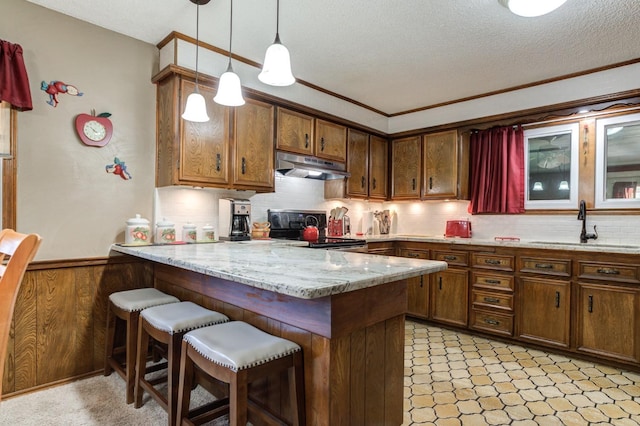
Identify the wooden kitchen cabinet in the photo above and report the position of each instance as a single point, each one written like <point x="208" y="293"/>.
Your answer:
<point x="544" y="310"/>
<point x="330" y="141"/>
<point x="417" y="287"/>
<point x="405" y="168"/>
<point x="378" y="168"/>
<point x="358" y="164"/>
<point x="294" y="132"/>
<point x="440" y="162"/>
<point x="253" y="146"/>
<point x="384" y="248"/>
<point x="450" y="297"/>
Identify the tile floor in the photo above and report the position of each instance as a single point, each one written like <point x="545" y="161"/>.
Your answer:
<point x="452" y="378"/>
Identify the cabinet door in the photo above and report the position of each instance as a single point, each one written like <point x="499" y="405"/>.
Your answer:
<point x="204" y="147"/>
<point x="450" y="297"/>
<point x="418" y="296"/>
<point x="607" y="321"/>
<point x="330" y="141"/>
<point x="378" y="168"/>
<point x="295" y="132"/>
<point x="357" y="163"/>
<point x="543" y="311"/>
<point x="405" y="168"/>
<point x="253" y="164"/>
<point x="440" y="159"/>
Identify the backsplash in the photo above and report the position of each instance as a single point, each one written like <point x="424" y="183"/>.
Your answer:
<point x="200" y="206"/>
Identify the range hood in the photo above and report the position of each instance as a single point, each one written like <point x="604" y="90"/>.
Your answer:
<point x="304" y="166"/>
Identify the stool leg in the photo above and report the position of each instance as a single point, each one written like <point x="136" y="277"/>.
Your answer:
<point x="109" y="340"/>
<point x="185" y="385"/>
<point x="238" y="399"/>
<point x="132" y="334"/>
<point x="296" y="385"/>
<point x="141" y="363"/>
<point x="173" y="375"/>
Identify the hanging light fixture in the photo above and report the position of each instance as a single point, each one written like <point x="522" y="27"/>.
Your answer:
<point x="196" y="108"/>
<point x="276" y="70"/>
<point x="537" y="186"/>
<point x="229" y="88"/>
<point x="532" y="8"/>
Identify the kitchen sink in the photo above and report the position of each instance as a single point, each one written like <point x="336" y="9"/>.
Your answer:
<point x="596" y="245"/>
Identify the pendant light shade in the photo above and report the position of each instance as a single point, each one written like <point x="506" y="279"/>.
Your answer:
<point x="229" y="88"/>
<point x="564" y="186"/>
<point x="532" y="8"/>
<point x="276" y="70"/>
<point x="537" y="186"/>
<point x="196" y="107"/>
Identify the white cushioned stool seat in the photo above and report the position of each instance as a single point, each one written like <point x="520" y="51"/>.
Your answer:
<point x="179" y="317"/>
<point x="139" y="299"/>
<point x="237" y="345"/>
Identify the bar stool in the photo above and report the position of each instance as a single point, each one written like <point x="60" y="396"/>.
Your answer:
<point x="125" y="306"/>
<point x="168" y="324"/>
<point x="237" y="353"/>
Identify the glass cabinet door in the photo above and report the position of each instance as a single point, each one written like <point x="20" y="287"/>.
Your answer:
<point x="618" y="162"/>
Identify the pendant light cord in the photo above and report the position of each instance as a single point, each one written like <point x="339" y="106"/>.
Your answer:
<point x="197" y="39"/>
<point x="230" y="31"/>
<point x="277" y="17"/>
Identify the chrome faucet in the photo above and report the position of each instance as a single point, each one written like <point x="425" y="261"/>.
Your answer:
<point x="582" y="215"/>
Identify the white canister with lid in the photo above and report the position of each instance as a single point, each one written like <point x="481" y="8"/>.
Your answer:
<point x="189" y="233"/>
<point x="208" y="233"/>
<point x="138" y="231"/>
<point x="165" y="232"/>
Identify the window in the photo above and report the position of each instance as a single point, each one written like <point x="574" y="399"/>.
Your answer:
<point x="551" y="167"/>
<point x="618" y="162"/>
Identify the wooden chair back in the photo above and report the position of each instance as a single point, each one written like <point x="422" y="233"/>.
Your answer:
<point x="20" y="250"/>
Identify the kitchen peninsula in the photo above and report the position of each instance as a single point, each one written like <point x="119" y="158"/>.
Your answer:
<point x="345" y="309"/>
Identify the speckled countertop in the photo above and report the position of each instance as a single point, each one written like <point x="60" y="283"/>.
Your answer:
<point x="591" y="246"/>
<point x="284" y="268"/>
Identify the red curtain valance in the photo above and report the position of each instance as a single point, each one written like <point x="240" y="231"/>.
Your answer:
<point x="497" y="171"/>
<point x="14" y="82"/>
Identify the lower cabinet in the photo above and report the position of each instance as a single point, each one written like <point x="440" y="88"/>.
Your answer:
<point x="450" y="297"/>
<point x="417" y="287"/>
<point x="607" y="321"/>
<point x="544" y="311"/>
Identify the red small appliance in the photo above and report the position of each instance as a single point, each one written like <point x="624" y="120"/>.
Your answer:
<point x="458" y="228"/>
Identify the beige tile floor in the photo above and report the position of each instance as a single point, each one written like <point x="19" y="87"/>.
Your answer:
<point x="452" y="378"/>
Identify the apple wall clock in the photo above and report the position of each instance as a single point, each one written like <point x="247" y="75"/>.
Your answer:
<point x="94" y="130"/>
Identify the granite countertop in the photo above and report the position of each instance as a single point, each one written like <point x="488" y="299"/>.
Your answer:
<point x="285" y="267"/>
<point x="591" y="246"/>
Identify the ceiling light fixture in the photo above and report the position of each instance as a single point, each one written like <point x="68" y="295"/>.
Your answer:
<point x="564" y="186"/>
<point x="537" y="186"/>
<point x="196" y="107"/>
<point x="276" y="70"/>
<point x="229" y="88"/>
<point x="532" y="8"/>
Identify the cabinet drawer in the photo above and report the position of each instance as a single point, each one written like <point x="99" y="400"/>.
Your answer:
<point x="545" y="266"/>
<point x="497" y="262"/>
<point x="492" y="322"/>
<point x="415" y="254"/>
<point x="492" y="300"/>
<point x="609" y="272"/>
<point x="492" y="281"/>
<point x="458" y="258"/>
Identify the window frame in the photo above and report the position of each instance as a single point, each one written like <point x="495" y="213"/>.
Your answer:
<point x="9" y="128"/>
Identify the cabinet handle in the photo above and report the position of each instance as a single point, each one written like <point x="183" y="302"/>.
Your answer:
<point x="449" y="257"/>
<point x="413" y="255"/>
<point x="491" y="321"/>
<point x="590" y="304"/>
<point x="430" y="182"/>
<point x="492" y="261"/>
<point x="374" y="183"/>
<point x="492" y="281"/>
<point x="306" y="140"/>
<point x="440" y="283"/>
<point x="608" y="271"/>
<point x="413" y="184"/>
<point x="492" y="299"/>
<point x="362" y="182"/>
<point x="322" y="144"/>
<point x="421" y="281"/>
<point x="557" y="299"/>
<point x="244" y="165"/>
<point x="544" y="266"/>
<point x="218" y="162"/>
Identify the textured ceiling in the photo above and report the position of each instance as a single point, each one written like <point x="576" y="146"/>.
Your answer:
<point x="394" y="56"/>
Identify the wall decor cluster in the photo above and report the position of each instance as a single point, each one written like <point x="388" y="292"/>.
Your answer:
<point x="56" y="87"/>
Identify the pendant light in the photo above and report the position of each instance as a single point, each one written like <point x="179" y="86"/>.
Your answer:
<point x="532" y="8"/>
<point x="229" y="88"/>
<point x="196" y="108"/>
<point x="276" y="70"/>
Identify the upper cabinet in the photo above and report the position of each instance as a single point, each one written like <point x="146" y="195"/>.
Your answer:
<point x="440" y="160"/>
<point x="295" y="132"/>
<point x="368" y="163"/>
<point x="378" y="168"/>
<point x="330" y="141"/>
<point x="208" y="154"/>
<point x="406" y="155"/>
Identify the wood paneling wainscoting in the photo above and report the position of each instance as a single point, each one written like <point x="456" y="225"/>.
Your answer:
<point x="59" y="320"/>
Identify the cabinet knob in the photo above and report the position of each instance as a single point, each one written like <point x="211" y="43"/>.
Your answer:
<point x="374" y="183"/>
<point x="440" y="283"/>
<point x="430" y="182"/>
<point x="557" y="299"/>
<point x="488" y="281"/>
<point x="413" y="184"/>
<point x="544" y="266"/>
<point x="608" y="271"/>
<point x="322" y="144"/>
<point x="244" y="165"/>
<point x="306" y="140"/>
<point x="218" y="162"/>
<point x="450" y="258"/>
<point x="492" y="261"/>
<point x="590" y="303"/>
<point x="362" y="182"/>
<point x="491" y="321"/>
<point x="492" y="300"/>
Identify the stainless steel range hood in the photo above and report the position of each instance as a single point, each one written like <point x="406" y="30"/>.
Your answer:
<point x="309" y="167"/>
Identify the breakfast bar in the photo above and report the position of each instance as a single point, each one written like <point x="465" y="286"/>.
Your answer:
<point x="346" y="310"/>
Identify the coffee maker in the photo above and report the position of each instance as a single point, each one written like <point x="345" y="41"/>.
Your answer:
<point x="233" y="219"/>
